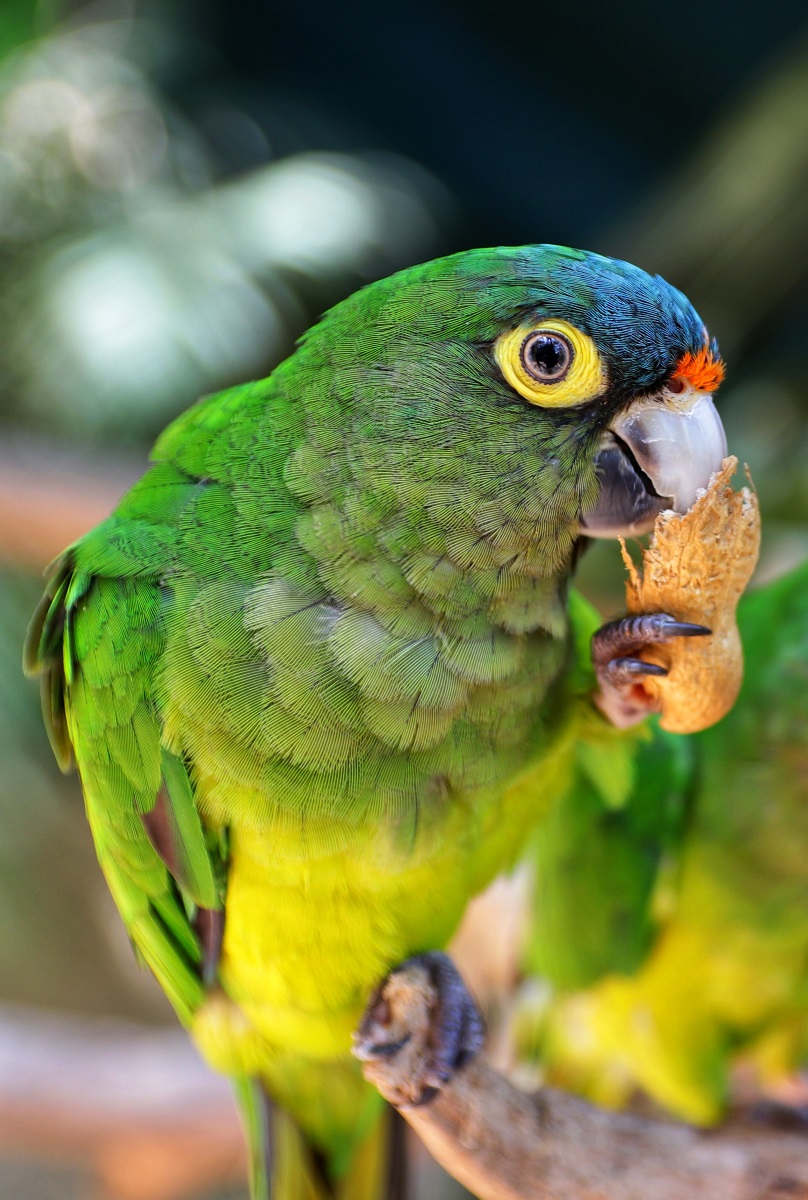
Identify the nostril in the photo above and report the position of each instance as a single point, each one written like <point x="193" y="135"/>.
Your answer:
<point x="676" y="385"/>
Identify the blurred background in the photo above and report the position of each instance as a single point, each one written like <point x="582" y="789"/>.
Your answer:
<point x="184" y="186"/>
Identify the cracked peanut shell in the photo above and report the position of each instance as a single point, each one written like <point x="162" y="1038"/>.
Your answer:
<point x="696" y="567"/>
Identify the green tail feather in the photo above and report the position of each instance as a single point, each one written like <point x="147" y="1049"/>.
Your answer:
<point x="256" y="1117"/>
<point x="283" y="1165"/>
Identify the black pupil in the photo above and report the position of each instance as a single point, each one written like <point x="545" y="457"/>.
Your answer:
<point x="547" y="356"/>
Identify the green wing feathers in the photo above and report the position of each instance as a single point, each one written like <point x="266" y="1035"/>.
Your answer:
<point x="96" y="642"/>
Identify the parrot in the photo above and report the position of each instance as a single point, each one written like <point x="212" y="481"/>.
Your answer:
<point x="671" y="908"/>
<point x="311" y="669"/>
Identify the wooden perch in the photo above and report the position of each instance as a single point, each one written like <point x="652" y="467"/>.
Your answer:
<point x="504" y="1144"/>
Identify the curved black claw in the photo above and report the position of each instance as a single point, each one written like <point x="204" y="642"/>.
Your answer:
<point x="621" y="697"/>
<point x="456" y="1031"/>
<point x="626" y="670"/>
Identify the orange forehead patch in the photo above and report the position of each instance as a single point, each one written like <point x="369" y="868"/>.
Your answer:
<point x="703" y="370"/>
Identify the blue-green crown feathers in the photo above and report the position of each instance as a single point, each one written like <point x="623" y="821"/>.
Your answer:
<point x="642" y="325"/>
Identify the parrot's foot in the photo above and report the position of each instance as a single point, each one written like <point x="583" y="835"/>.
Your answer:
<point x="622" y="697"/>
<point x="437" y="1038"/>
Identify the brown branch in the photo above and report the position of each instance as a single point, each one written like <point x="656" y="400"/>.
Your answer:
<point x="504" y="1144"/>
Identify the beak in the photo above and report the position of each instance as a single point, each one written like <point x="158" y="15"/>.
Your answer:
<point x="655" y="455"/>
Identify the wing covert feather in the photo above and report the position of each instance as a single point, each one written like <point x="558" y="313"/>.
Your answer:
<point x="96" y="642"/>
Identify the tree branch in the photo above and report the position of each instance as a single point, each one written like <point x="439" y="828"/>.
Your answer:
<point x="504" y="1144"/>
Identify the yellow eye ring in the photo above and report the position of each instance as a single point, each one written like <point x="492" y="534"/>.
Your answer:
<point x="553" y="365"/>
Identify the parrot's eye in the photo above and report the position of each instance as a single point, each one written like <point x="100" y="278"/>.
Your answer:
<point x="546" y="356"/>
<point x="553" y="365"/>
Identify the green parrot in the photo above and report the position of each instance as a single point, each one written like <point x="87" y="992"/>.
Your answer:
<point x="671" y="909"/>
<point x="311" y="670"/>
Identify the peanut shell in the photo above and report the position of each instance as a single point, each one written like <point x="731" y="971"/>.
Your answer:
<point x="696" y="567"/>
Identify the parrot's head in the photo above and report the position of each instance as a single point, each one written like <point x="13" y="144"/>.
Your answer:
<point x="535" y="393"/>
<point x="630" y="354"/>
